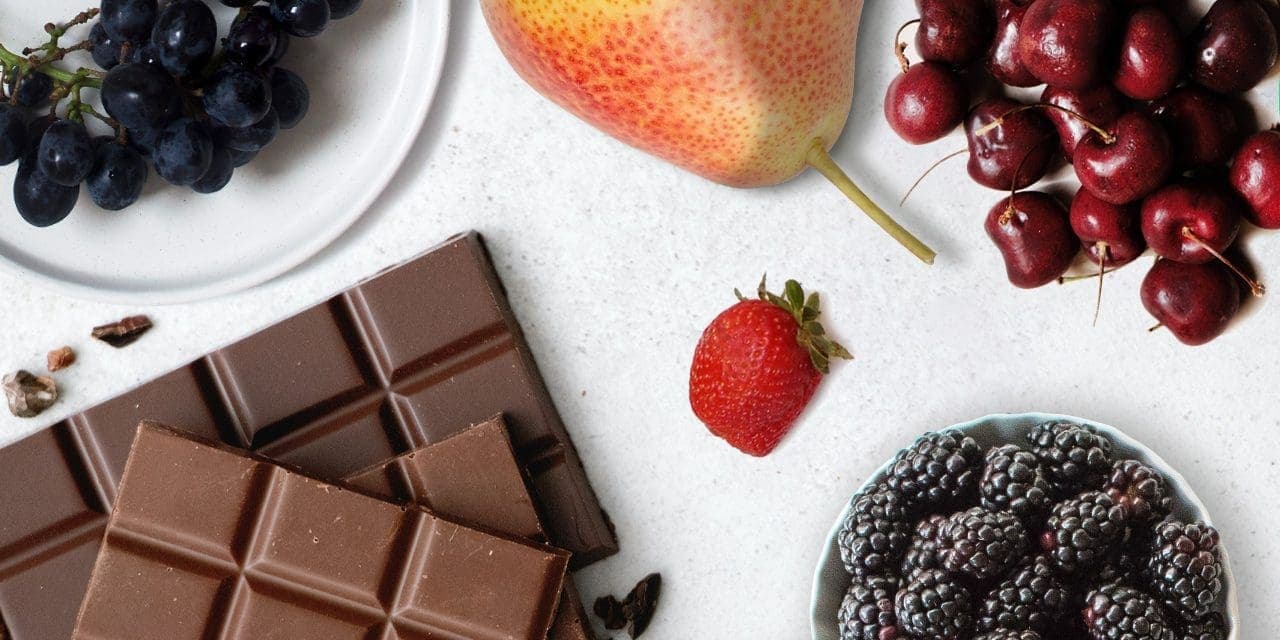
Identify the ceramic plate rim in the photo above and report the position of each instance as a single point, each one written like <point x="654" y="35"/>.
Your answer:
<point x="431" y="60"/>
<point x="822" y="616"/>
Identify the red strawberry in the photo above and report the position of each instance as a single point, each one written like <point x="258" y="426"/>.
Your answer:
<point x="757" y="365"/>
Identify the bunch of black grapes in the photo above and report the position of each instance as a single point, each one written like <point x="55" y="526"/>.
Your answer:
<point x="195" y="110"/>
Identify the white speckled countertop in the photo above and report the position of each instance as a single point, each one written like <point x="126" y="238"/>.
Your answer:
<point x="615" y="262"/>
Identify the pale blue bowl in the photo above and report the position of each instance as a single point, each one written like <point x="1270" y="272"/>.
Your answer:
<point x="830" y="580"/>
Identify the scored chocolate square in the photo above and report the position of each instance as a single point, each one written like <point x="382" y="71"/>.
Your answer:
<point x="474" y="477"/>
<point x="407" y="358"/>
<point x="207" y="542"/>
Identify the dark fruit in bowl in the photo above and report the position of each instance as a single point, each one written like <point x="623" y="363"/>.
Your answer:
<point x="1069" y="43"/>
<point x="1010" y="146"/>
<point x="1111" y="233"/>
<point x="1132" y="164"/>
<point x="1234" y="46"/>
<point x="1033" y="234"/>
<point x="1195" y="302"/>
<point x="1151" y="55"/>
<point x="1255" y="175"/>
<point x="1100" y="105"/>
<point x="953" y="31"/>
<point x="1202" y="126"/>
<point x="926" y="102"/>
<point x="1190" y="221"/>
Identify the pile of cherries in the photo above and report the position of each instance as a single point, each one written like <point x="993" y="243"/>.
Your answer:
<point x="1148" y="112"/>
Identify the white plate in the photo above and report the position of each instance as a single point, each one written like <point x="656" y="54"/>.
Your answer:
<point x="372" y="77"/>
<point x="830" y="580"/>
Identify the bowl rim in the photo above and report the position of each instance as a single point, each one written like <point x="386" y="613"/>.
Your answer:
<point x="820" y="616"/>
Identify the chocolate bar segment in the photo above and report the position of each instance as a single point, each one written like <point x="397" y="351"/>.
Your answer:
<point x="474" y="477"/>
<point x="206" y="542"/>
<point x="407" y="358"/>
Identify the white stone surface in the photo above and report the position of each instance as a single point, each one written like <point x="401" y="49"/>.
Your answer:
<point x="615" y="262"/>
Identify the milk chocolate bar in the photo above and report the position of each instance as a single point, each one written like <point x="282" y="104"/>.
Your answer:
<point x="407" y="358"/>
<point x="474" y="477"/>
<point x="207" y="542"/>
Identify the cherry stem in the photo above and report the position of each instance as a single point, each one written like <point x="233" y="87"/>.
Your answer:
<point x="1156" y="328"/>
<point x="820" y="159"/>
<point x="1013" y="183"/>
<point x="900" y="47"/>
<point x="1106" y="136"/>
<point x="1085" y="276"/>
<point x="1103" y="250"/>
<point x="927" y="172"/>
<point x="1256" y="288"/>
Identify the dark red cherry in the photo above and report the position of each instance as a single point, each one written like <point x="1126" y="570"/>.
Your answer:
<point x="1255" y="175"/>
<point x="1003" y="62"/>
<point x="1134" y="163"/>
<point x="1195" y="302"/>
<point x="1234" y="46"/>
<point x="1100" y="105"/>
<point x="1191" y="222"/>
<point x="1111" y="233"/>
<point x="1013" y="154"/>
<point x="926" y="102"/>
<point x="1151" y="55"/>
<point x="1031" y="231"/>
<point x="1202" y="126"/>
<point x="1069" y="43"/>
<point x="953" y="31"/>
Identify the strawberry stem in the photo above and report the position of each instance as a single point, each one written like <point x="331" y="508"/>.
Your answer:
<point x="809" y="333"/>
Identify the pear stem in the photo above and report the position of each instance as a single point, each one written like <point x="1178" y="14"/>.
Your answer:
<point x="819" y="159"/>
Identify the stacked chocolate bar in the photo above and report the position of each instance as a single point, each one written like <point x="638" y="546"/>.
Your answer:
<point x="416" y="390"/>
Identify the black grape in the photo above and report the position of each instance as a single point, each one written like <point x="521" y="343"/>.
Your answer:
<point x="105" y="50"/>
<point x="339" y="9"/>
<point x="253" y="137"/>
<point x="183" y="152"/>
<point x="185" y="35"/>
<point x="143" y="140"/>
<point x="302" y="18"/>
<point x="252" y="39"/>
<point x="66" y="155"/>
<point x="13" y="134"/>
<point x="218" y="175"/>
<point x="282" y="47"/>
<point x="118" y="177"/>
<point x="239" y="3"/>
<point x="35" y="131"/>
<point x="34" y="89"/>
<point x="241" y="158"/>
<point x="148" y="53"/>
<point x="289" y="96"/>
<point x="41" y="201"/>
<point x="129" y="20"/>
<point x="141" y="96"/>
<point x="237" y="97"/>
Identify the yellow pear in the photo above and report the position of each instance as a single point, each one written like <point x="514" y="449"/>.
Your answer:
<point x="748" y="93"/>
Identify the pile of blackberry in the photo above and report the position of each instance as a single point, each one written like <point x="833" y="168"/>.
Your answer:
<point x="1053" y="540"/>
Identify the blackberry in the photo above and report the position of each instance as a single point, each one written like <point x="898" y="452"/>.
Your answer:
<point x="1117" y="612"/>
<point x="934" y="606"/>
<point x="867" y="612"/>
<point x="1031" y="597"/>
<point x="923" y="551"/>
<point x="1211" y="628"/>
<point x="875" y="534"/>
<point x="937" y="470"/>
<point x="1005" y="634"/>
<point x="1075" y="457"/>
<point x="1183" y="569"/>
<point x="1140" y="489"/>
<point x="1014" y="481"/>
<point x="1083" y="531"/>
<point x="980" y="543"/>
